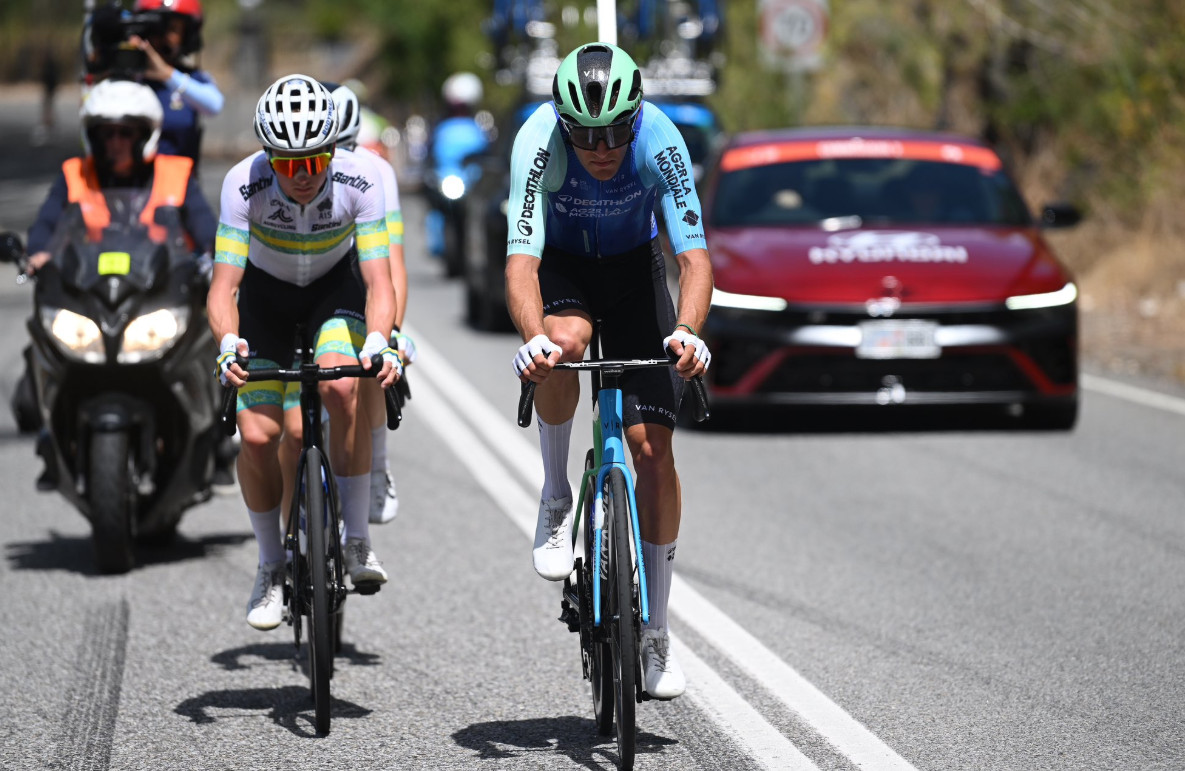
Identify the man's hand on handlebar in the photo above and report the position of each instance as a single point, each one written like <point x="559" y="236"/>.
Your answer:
<point x="376" y="345"/>
<point x="536" y="358"/>
<point x="228" y="371"/>
<point x="693" y="353"/>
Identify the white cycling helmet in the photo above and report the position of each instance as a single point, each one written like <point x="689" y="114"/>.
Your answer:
<point x="462" y="88"/>
<point x="349" y="116"/>
<point x="296" y="113"/>
<point x="122" y="101"/>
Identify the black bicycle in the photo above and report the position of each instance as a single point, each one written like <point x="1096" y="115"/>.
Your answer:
<point x="607" y="605"/>
<point x="315" y="584"/>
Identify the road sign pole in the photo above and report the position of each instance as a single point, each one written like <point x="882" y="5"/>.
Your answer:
<point x="607" y="21"/>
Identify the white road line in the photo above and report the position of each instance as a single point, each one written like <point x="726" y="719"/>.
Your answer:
<point x="1132" y="393"/>
<point x="755" y="735"/>
<point x="847" y="735"/>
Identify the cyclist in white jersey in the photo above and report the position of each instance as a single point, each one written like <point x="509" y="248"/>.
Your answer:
<point x="292" y="219"/>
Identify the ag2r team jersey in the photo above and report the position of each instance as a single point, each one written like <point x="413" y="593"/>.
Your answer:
<point x="300" y="243"/>
<point x="555" y="202"/>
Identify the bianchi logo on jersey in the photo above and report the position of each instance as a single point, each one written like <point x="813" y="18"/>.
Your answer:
<point x="691" y="218"/>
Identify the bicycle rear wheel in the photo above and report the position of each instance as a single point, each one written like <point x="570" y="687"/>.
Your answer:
<point x="620" y="616"/>
<point x="598" y="652"/>
<point x="320" y="620"/>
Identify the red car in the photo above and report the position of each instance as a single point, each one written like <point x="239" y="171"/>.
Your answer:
<point x="866" y="266"/>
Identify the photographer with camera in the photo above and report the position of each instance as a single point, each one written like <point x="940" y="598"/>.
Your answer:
<point x="155" y="44"/>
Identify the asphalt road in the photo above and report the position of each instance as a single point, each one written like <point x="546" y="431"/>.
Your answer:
<point x="953" y="598"/>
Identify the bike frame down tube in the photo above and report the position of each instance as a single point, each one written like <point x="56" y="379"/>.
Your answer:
<point x="612" y="451"/>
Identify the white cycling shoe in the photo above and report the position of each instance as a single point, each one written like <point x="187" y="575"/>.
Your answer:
<point x="362" y="564"/>
<point x="384" y="500"/>
<point x="265" y="609"/>
<point x="552" y="554"/>
<point x="664" y="676"/>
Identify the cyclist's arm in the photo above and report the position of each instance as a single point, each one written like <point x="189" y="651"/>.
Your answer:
<point x="695" y="288"/>
<point x="394" y="220"/>
<point x="523" y="299"/>
<point x="231" y="245"/>
<point x="538" y="164"/>
<point x="221" y="305"/>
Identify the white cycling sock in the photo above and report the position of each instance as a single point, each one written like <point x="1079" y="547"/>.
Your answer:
<point x="266" y="525"/>
<point x="553" y="444"/>
<point x="355" y="497"/>
<point x="378" y="448"/>
<point x="660" y="561"/>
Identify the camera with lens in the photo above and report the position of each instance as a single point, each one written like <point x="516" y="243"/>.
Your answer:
<point x="109" y="52"/>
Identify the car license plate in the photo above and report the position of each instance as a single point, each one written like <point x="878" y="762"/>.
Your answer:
<point x="892" y="339"/>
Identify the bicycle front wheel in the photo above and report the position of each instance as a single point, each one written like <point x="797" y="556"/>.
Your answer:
<point x="320" y="620"/>
<point x="598" y="653"/>
<point x="620" y="616"/>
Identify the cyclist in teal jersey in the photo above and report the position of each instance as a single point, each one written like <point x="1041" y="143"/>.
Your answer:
<point x="587" y="171"/>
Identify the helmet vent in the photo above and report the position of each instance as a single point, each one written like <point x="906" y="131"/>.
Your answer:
<point x="613" y="95"/>
<point x="596" y="98"/>
<point x="635" y="87"/>
<point x="575" y="97"/>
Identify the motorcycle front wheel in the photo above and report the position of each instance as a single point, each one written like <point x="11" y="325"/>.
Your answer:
<point x="109" y="489"/>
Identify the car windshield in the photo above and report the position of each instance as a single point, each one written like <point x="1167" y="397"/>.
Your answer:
<point x="877" y="191"/>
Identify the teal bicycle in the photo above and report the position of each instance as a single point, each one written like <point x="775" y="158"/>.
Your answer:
<point x="607" y="605"/>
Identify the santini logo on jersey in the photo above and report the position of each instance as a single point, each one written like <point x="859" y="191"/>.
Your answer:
<point x="252" y="188"/>
<point x="359" y="182"/>
<point x="531" y="191"/>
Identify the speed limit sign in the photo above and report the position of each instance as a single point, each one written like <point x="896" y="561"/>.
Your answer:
<point x="792" y="31"/>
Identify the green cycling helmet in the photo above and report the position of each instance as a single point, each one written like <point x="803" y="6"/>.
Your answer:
<point x="597" y="85"/>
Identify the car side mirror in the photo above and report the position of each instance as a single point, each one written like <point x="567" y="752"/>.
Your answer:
<point x="1060" y="215"/>
<point x="11" y="247"/>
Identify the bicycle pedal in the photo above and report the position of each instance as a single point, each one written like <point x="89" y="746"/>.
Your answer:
<point x="367" y="587"/>
<point x="569" y="616"/>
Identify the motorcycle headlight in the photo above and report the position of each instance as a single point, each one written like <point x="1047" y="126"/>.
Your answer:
<point x="78" y="336"/>
<point x="148" y="337"/>
<point x="452" y="187"/>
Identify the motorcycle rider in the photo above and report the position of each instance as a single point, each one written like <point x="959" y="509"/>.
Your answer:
<point x="186" y="93"/>
<point x="455" y="138"/>
<point x="121" y="126"/>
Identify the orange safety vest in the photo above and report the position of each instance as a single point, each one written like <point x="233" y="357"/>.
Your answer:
<point x="170" y="179"/>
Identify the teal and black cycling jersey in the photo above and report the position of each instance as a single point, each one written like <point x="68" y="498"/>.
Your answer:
<point x="554" y="202"/>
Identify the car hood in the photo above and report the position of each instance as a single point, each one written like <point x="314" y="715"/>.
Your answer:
<point x="926" y="265"/>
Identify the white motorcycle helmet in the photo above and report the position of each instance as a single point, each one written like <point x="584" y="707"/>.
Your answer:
<point x="122" y="101"/>
<point x="296" y="113"/>
<point x="462" y="88"/>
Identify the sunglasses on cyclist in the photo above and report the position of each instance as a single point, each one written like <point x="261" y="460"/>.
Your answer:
<point x="588" y="137"/>
<point x="289" y="167"/>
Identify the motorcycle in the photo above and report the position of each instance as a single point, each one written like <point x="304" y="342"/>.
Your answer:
<point x="120" y="364"/>
<point x="447" y="183"/>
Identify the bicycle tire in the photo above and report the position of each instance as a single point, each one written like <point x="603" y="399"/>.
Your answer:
<point x="623" y="633"/>
<point x="600" y="656"/>
<point x="320" y="621"/>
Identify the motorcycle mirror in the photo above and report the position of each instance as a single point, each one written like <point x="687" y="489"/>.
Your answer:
<point x="11" y="247"/>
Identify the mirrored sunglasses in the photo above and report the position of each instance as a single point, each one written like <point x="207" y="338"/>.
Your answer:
<point x="289" y="167"/>
<point x="111" y="131"/>
<point x="588" y="137"/>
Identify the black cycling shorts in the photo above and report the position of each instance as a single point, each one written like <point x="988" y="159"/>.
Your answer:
<point x="626" y="295"/>
<point x="331" y="308"/>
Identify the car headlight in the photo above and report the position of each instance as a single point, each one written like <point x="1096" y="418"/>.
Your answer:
<point x="78" y="336"/>
<point x="148" y="337"/>
<point x="452" y="187"/>
<point x="1064" y="296"/>
<point x="747" y="301"/>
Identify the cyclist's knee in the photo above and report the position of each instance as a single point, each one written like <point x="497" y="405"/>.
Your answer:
<point x="651" y="449"/>
<point x="340" y="397"/>
<point x="259" y="436"/>
<point x="572" y="333"/>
